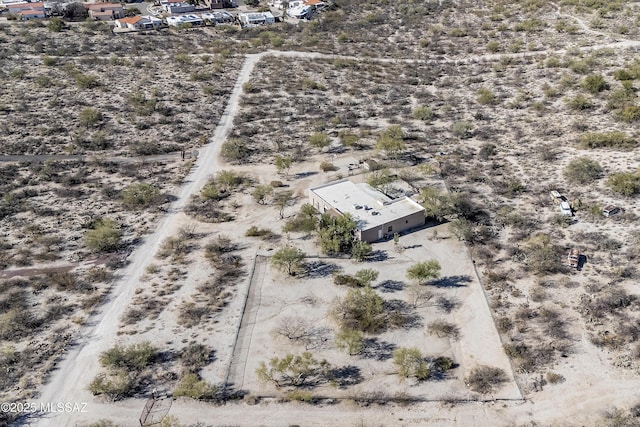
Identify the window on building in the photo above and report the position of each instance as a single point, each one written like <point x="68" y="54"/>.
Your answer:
<point x="390" y="228"/>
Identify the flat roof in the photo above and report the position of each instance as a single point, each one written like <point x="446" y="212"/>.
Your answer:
<point x="368" y="207"/>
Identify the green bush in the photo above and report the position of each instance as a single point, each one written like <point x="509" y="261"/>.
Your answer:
<point x="360" y="250"/>
<point x="234" y="150"/>
<point x="55" y="25"/>
<point x="411" y="363"/>
<point x="48" y="60"/>
<point x="493" y="46"/>
<point x="462" y="129"/>
<point x="595" y="83"/>
<point x="89" y="117"/>
<point x="486" y="97"/>
<point x="423" y="113"/>
<point x="104" y="236"/>
<point x="582" y="170"/>
<point x="630" y="113"/>
<point x="195" y="356"/>
<point x="361" y="309"/>
<point x="300" y="396"/>
<point x="85" y="81"/>
<point x="133" y="358"/>
<point x="614" y="139"/>
<point x="140" y="195"/>
<point x="346" y="280"/>
<point x="192" y="386"/>
<point x="348" y="139"/>
<point x="580" y="103"/>
<point x="115" y="387"/>
<point x="319" y="140"/>
<point x="265" y="233"/>
<point x="627" y="184"/>
<point x="350" y="341"/>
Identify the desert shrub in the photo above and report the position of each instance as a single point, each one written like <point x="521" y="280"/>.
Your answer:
<point x="424" y="271"/>
<point x="235" y="150"/>
<point x="140" y="195"/>
<point x="311" y="84"/>
<point x="630" y="113"/>
<point x="423" y="113"/>
<point x="627" y="184"/>
<point x="319" y="140"/>
<point x="295" y="370"/>
<point x="411" y="363"/>
<point x="493" y="46"/>
<point x="191" y="314"/>
<point x="361" y="309"/>
<point x="486" y="97"/>
<point x="89" y="117"/>
<point x="289" y="259"/>
<point x="195" y="356"/>
<point x="261" y="193"/>
<point x="336" y="234"/>
<point x="582" y="170"/>
<point x="328" y="167"/>
<point x="595" y="83"/>
<point x="191" y="385"/>
<point x="443" y="328"/>
<point x="462" y="129"/>
<point x="173" y="246"/>
<point x="360" y="250"/>
<point x="580" y="103"/>
<point x="132" y="358"/>
<point x="554" y="378"/>
<point x="305" y="221"/>
<point x="485" y="379"/>
<point x="50" y="61"/>
<point x="104" y="236"/>
<point x="366" y="276"/>
<point x="614" y="139"/>
<point x="85" y="81"/>
<point x="113" y="386"/>
<point x="542" y="256"/>
<point x="348" y="139"/>
<point x="300" y="396"/>
<point x="55" y="25"/>
<point x="264" y="233"/>
<point x="346" y="280"/>
<point x="391" y="140"/>
<point x="350" y="341"/>
<point x="250" y="87"/>
<point x="487" y="150"/>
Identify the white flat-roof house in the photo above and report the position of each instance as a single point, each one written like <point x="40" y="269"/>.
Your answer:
<point x="177" y="6"/>
<point x="376" y="215"/>
<point x="256" y="18"/>
<point x="175" y="21"/>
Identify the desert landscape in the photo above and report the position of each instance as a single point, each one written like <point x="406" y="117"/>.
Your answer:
<point x="161" y="262"/>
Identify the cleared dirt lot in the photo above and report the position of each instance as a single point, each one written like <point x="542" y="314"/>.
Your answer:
<point x="311" y="298"/>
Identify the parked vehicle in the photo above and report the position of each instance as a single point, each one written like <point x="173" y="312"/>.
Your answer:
<point x="574" y="258"/>
<point x="565" y="209"/>
<point x="610" y="210"/>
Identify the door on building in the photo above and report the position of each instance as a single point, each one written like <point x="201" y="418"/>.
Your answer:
<point x="380" y="234"/>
